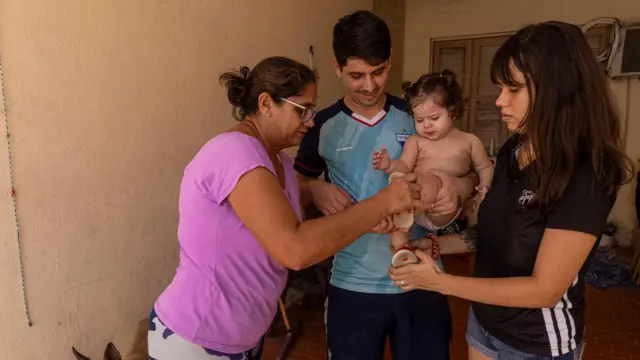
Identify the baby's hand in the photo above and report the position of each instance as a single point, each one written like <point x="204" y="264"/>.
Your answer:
<point x="381" y="160"/>
<point x="482" y="190"/>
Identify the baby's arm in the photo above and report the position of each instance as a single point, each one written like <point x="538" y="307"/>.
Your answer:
<point x="481" y="163"/>
<point x="404" y="164"/>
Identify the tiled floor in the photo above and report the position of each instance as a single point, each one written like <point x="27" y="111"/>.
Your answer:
<point x="613" y="320"/>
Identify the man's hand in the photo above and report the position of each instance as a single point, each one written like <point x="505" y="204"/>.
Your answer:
<point x="453" y="193"/>
<point x="329" y="198"/>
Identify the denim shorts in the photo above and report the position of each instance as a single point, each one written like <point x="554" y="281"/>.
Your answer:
<point x="493" y="348"/>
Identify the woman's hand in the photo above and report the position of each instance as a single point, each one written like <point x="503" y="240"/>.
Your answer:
<point x="424" y="275"/>
<point x="402" y="195"/>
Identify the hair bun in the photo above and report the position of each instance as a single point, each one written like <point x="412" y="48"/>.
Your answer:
<point x="449" y="76"/>
<point x="236" y="82"/>
<point x="406" y="86"/>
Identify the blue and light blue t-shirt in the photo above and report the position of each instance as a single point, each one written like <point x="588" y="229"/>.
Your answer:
<point x="341" y="145"/>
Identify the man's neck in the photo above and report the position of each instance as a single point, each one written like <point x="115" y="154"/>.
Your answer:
<point x="366" y="111"/>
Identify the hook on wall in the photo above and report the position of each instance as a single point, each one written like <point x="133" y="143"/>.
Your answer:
<point x="311" y="56"/>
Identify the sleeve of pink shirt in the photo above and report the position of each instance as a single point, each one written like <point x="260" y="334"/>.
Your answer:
<point x="222" y="162"/>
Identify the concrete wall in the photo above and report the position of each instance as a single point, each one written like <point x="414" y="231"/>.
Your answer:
<point x="107" y="102"/>
<point x="393" y="13"/>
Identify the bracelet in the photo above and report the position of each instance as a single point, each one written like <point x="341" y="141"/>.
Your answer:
<point x="435" y="246"/>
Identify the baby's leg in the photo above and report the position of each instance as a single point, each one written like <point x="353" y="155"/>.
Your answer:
<point x="399" y="239"/>
<point x="403" y="252"/>
<point x="441" y="221"/>
<point x="436" y="222"/>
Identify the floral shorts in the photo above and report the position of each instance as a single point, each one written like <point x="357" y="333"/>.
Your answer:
<point x="164" y="344"/>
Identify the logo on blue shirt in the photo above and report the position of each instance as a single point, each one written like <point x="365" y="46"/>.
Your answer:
<point x="401" y="138"/>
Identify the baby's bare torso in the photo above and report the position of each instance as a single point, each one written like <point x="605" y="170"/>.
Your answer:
<point x="451" y="154"/>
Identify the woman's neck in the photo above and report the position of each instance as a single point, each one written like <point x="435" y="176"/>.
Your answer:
<point x="254" y="129"/>
<point x="526" y="155"/>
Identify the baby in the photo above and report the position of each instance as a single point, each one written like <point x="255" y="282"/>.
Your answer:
<point x="435" y="100"/>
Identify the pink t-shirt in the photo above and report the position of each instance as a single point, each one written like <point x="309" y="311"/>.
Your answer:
<point x="225" y="291"/>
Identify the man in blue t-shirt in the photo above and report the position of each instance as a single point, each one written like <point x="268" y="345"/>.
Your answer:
<point x="364" y="306"/>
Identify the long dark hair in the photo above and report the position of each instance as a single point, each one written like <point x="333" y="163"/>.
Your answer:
<point x="278" y="76"/>
<point x="571" y="113"/>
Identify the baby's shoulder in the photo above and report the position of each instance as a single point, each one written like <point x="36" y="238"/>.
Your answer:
<point x="416" y="139"/>
<point x="468" y="138"/>
<point x="421" y="142"/>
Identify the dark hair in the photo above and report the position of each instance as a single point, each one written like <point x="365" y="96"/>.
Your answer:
<point x="441" y="86"/>
<point x="571" y="113"/>
<point x="277" y="76"/>
<point x="361" y="35"/>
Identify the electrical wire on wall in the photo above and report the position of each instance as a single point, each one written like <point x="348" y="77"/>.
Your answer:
<point x="13" y="196"/>
<point x="610" y="53"/>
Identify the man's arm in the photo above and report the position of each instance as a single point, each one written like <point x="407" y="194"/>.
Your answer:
<point x="304" y="183"/>
<point x="309" y="165"/>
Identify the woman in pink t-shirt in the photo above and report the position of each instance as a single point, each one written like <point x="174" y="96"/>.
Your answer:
<point x="240" y="223"/>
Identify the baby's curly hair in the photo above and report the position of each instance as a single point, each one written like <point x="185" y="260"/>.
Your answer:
<point x="444" y="85"/>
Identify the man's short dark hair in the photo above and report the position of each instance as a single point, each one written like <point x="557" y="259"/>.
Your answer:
<point x="361" y="35"/>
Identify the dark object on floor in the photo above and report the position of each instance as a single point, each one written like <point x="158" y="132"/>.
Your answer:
<point x="635" y="265"/>
<point x="608" y="270"/>
<point x="291" y="333"/>
<point x="110" y="353"/>
<point x="638" y="196"/>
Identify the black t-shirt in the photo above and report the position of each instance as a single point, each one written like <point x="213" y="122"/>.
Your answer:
<point x="509" y="236"/>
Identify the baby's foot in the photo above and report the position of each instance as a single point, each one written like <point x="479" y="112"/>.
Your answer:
<point x="403" y="256"/>
<point x="403" y="220"/>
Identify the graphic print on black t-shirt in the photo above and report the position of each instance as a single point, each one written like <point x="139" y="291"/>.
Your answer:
<point x="510" y="231"/>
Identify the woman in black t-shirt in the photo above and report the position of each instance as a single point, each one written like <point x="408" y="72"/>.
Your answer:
<point x="555" y="182"/>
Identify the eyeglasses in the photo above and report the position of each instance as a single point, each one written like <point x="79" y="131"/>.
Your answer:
<point x="306" y="114"/>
